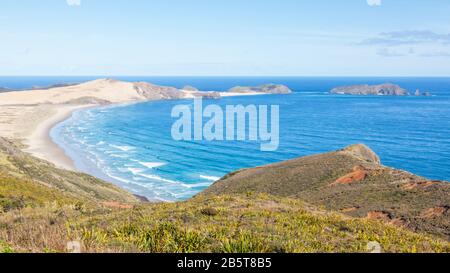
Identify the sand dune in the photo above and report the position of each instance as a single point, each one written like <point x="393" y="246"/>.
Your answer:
<point x="108" y="90"/>
<point x="27" y="116"/>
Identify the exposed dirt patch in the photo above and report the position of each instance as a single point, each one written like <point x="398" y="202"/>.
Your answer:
<point x="116" y="205"/>
<point x="435" y="212"/>
<point x="386" y="217"/>
<point x="398" y="222"/>
<point x="421" y="184"/>
<point x="380" y="188"/>
<point x="379" y="215"/>
<point x="358" y="174"/>
<point x="351" y="209"/>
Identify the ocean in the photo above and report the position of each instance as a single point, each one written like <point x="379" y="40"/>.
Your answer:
<point x="131" y="145"/>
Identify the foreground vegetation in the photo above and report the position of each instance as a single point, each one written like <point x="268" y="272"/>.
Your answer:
<point x="229" y="224"/>
<point x="43" y="208"/>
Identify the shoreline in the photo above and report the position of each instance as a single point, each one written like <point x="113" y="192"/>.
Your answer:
<point x="41" y="144"/>
<point x="29" y="116"/>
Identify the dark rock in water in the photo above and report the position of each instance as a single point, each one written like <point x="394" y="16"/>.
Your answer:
<point x="265" y="88"/>
<point x="418" y="93"/>
<point x="189" y="88"/>
<point x="386" y="89"/>
<point x="142" y="198"/>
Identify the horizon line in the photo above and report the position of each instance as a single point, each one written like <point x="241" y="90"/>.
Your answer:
<point x="242" y="76"/>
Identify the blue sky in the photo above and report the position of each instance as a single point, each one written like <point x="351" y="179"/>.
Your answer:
<point x="232" y="37"/>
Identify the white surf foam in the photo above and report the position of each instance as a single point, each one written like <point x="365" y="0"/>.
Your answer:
<point x="118" y="178"/>
<point x="152" y="165"/>
<point x="158" y="178"/>
<point x="135" y="171"/>
<point x="122" y="148"/>
<point x="211" y="178"/>
<point x="118" y="156"/>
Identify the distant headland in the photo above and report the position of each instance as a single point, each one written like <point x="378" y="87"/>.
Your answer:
<point x="28" y="115"/>
<point x="386" y="89"/>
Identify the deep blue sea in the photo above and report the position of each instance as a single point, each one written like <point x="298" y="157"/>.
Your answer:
<point x="131" y="145"/>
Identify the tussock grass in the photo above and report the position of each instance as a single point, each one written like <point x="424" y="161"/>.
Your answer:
<point x="42" y="208"/>
<point x="257" y="223"/>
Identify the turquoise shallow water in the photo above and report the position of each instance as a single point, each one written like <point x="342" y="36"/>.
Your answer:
<point x="131" y="145"/>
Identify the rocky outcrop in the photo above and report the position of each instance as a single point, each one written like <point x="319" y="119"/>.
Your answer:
<point x="265" y="88"/>
<point x="362" y="152"/>
<point x="351" y="181"/>
<point x="207" y="95"/>
<point x="190" y="88"/>
<point x="386" y="89"/>
<point x="418" y="93"/>
<point x="157" y="92"/>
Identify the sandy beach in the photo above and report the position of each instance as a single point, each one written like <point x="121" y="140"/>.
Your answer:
<point x="27" y="117"/>
<point x="40" y="144"/>
<point x="30" y="126"/>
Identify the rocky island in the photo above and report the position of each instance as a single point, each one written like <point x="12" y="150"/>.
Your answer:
<point x="386" y="89"/>
<point x="265" y="88"/>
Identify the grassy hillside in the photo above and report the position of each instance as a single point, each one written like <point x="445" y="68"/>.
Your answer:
<point x="42" y="208"/>
<point x="228" y="224"/>
<point x="17" y="164"/>
<point x="351" y="181"/>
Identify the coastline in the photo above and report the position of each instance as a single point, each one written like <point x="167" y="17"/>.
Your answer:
<point x="41" y="144"/>
<point x="28" y="116"/>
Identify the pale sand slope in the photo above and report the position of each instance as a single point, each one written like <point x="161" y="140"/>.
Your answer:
<point x="109" y="90"/>
<point x="28" y="116"/>
<point x="30" y="126"/>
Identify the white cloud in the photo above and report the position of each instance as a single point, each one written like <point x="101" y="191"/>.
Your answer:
<point x="73" y="2"/>
<point x="374" y="3"/>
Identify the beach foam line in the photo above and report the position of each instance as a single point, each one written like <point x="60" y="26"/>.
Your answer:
<point x="118" y="178"/>
<point x="123" y="148"/>
<point x="211" y="178"/>
<point x="152" y="165"/>
<point x="118" y="156"/>
<point x="202" y="184"/>
<point x="158" y="178"/>
<point x="135" y="171"/>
